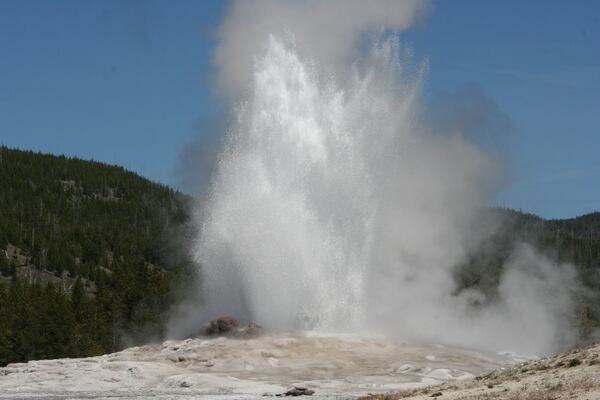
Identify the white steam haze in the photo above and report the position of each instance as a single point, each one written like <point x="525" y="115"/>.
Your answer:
<point x="326" y="31"/>
<point x="335" y="207"/>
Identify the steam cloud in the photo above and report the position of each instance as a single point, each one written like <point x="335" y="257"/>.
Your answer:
<point x="327" y="31"/>
<point x="335" y="207"/>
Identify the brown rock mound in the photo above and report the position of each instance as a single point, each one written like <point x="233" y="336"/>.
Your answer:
<point x="221" y="326"/>
<point x="228" y="326"/>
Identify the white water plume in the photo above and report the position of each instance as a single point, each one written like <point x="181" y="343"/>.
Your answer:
<point x="334" y="208"/>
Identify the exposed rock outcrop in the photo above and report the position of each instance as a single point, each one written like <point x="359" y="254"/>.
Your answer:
<point x="228" y="326"/>
<point x="221" y="326"/>
<point x="299" y="391"/>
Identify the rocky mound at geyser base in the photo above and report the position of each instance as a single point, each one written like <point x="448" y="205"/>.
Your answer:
<point x="232" y="364"/>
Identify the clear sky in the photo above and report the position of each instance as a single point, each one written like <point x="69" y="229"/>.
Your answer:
<point x="130" y="83"/>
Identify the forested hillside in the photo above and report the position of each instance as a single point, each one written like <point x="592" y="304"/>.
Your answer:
<point x="87" y="256"/>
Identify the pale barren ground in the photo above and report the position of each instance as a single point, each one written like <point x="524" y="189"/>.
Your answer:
<point x="225" y="368"/>
<point x="573" y="375"/>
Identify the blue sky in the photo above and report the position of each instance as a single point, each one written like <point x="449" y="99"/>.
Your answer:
<point x="130" y="82"/>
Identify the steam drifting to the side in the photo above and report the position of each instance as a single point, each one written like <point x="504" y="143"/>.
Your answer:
<point x="334" y="207"/>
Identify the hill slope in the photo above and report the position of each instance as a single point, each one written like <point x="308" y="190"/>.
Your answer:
<point x="85" y="259"/>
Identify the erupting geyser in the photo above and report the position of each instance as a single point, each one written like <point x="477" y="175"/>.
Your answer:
<point x="334" y="208"/>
